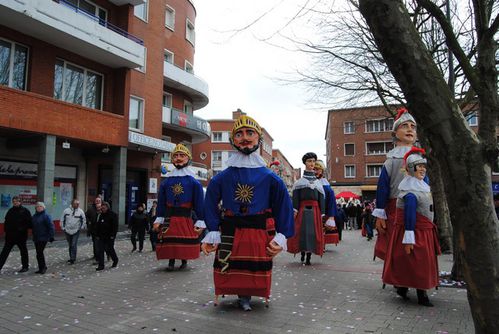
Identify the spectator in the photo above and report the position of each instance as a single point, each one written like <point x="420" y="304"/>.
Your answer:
<point x="72" y="221"/>
<point x="139" y="223"/>
<point x="340" y="219"/>
<point x="17" y="223"/>
<point x="92" y="216"/>
<point x="43" y="232"/>
<point x="105" y="231"/>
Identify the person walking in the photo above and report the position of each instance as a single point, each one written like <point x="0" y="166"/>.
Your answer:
<point x="340" y="219"/>
<point x="249" y="216"/>
<point x="72" y="221"/>
<point x="309" y="207"/>
<point x="153" y="235"/>
<point x="411" y="260"/>
<point x="180" y="195"/>
<point x="16" y="226"/>
<point x="105" y="231"/>
<point x="43" y="232"/>
<point x="138" y="224"/>
<point x="92" y="216"/>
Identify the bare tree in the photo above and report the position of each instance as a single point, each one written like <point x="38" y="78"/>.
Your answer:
<point x="466" y="157"/>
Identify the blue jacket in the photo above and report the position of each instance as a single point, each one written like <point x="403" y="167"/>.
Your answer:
<point x="43" y="228"/>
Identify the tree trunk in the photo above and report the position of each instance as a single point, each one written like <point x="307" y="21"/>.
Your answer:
<point x="462" y="157"/>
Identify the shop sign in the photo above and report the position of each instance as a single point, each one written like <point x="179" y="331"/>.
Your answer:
<point x="30" y="170"/>
<point x="155" y="143"/>
<point x="191" y="122"/>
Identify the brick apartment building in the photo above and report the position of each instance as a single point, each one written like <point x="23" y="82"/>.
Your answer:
<point x="93" y="97"/>
<point x="285" y="170"/>
<point x="215" y="152"/>
<point x="357" y="140"/>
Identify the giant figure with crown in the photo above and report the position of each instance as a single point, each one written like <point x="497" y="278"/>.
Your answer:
<point x="249" y="216"/>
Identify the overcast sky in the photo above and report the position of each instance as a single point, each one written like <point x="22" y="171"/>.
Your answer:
<point x="241" y="72"/>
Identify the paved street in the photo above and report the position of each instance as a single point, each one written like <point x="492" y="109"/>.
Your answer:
<point x="340" y="293"/>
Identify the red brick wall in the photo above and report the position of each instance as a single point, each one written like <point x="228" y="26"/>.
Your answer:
<point x="36" y="113"/>
<point x="208" y="146"/>
<point x="337" y="139"/>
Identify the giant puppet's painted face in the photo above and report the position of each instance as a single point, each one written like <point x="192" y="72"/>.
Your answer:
<point x="246" y="140"/>
<point x="420" y="171"/>
<point x="310" y="164"/>
<point x="180" y="160"/>
<point x="318" y="172"/>
<point x="406" y="133"/>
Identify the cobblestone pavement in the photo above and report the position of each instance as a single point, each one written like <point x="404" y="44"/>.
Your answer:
<point x="340" y="293"/>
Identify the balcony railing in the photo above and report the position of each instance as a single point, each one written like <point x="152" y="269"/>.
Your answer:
<point x="102" y="22"/>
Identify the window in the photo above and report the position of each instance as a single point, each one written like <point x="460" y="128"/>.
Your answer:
<point x="78" y="85"/>
<point x="349" y="149"/>
<point x="378" y="148"/>
<point x="187" y="107"/>
<point x="188" y="67"/>
<point x="136" y="114"/>
<point x="472" y="119"/>
<point x="190" y="34"/>
<point x="216" y="159"/>
<point x="169" y="56"/>
<point x="90" y="8"/>
<point x="141" y="10"/>
<point x="349" y="171"/>
<point x="379" y="125"/>
<point x="348" y="127"/>
<point x="170" y="18"/>
<point x="13" y="64"/>
<point x="166" y="157"/>
<point x="216" y="136"/>
<point x="143" y="67"/>
<point x="373" y="170"/>
<point x="167" y="100"/>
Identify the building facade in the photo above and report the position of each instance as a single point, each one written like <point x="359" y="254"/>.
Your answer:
<point x="357" y="141"/>
<point x="90" y="104"/>
<point x="285" y="170"/>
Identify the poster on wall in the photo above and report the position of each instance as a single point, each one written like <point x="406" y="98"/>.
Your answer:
<point x="66" y="190"/>
<point x="153" y="185"/>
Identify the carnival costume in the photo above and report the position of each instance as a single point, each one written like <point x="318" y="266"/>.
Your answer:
<point x="411" y="260"/>
<point x="309" y="203"/>
<point x="179" y="195"/>
<point x="255" y="211"/>
<point x="387" y="191"/>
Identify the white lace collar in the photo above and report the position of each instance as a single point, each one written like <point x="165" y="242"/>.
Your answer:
<point x="398" y="152"/>
<point x="186" y="171"/>
<point x="410" y="183"/>
<point x="241" y="160"/>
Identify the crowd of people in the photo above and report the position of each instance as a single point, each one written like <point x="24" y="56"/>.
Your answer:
<point x="247" y="217"/>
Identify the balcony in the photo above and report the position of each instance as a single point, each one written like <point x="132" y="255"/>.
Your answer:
<point x="65" y="26"/>
<point x="95" y="126"/>
<point x="195" y="87"/>
<point x="198" y="128"/>
<point x="127" y="2"/>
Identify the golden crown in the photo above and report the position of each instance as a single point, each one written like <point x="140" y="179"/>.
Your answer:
<point x="183" y="149"/>
<point x="246" y="122"/>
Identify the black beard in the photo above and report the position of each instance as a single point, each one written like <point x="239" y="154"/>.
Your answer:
<point x="247" y="150"/>
<point x="178" y="166"/>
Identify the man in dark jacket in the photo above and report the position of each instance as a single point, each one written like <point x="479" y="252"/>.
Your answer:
<point x="138" y="224"/>
<point x="17" y="223"/>
<point x="92" y="215"/>
<point x="105" y="231"/>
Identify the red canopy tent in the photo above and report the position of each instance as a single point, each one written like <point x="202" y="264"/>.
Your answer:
<point x="347" y="195"/>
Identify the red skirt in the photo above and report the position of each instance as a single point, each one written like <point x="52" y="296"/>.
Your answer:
<point x="383" y="239"/>
<point x="179" y="242"/>
<point x="419" y="269"/>
<point x="250" y="268"/>
<point x="294" y="242"/>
